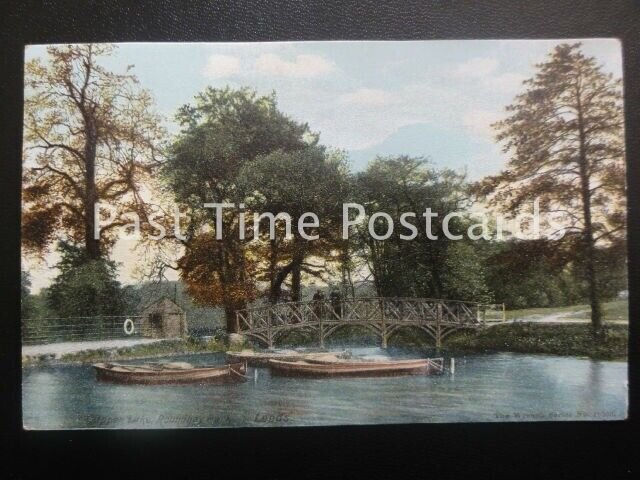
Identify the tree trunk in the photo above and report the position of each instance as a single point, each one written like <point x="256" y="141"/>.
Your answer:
<point x="232" y="322"/>
<point x="92" y="244"/>
<point x="231" y="259"/>
<point x="275" y="290"/>
<point x="276" y="276"/>
<point x="296" y="284"/>
<point x="589" y="243"/>
<point x="296" y="272"/>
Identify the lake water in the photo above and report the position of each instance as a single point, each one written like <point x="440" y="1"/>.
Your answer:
<point x="484" y="388"/>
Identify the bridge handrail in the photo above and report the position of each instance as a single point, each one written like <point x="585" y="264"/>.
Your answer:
<point x="354" y="299"/>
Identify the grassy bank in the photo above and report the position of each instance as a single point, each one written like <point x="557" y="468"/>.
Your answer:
<point x="522" y="336"/>
<point x="150" y="350"/>
<point x="570" y="339"/>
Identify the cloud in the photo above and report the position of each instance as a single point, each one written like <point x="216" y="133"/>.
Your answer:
<point x="304" y="65"/>
<point x="368" y="96"/>
<point x="482" y="70"/>
<point x="475" y="68"/>
<point x="479" y="122"/>
<point x="511" y="82"/>
<point x="221" y="66"/>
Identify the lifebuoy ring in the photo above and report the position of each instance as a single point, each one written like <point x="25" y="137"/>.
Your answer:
<point x="129" y="327"/>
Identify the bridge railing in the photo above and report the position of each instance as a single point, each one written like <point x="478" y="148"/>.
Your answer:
<point x="492" y="313"/>
<point x="396" y="310"/>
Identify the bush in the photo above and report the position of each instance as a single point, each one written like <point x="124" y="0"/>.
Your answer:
<point x="85" y="287"/>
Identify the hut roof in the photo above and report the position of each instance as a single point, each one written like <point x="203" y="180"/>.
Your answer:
<point x="164" y="305"/>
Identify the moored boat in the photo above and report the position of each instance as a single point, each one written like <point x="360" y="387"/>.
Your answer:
<point x="317" y="367"/>
<point x="261" y="359"/>
<point x="167" y="373"/>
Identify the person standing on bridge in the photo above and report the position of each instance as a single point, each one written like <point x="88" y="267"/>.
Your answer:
<point x="336" y="303"/>
<point x="318" y="301"/>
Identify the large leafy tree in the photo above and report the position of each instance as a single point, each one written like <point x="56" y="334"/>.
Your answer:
<point x="564" y="135"/>
<point x="422" y="267"/>
<point x="223" y="131"/>
<point x="308" y="180"/>
<point x="90" y="137"/>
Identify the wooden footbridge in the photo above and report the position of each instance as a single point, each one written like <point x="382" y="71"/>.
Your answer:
<point x="382" y="316"/>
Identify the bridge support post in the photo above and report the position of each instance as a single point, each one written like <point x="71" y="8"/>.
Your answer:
<point x="383" y="326"/>
<point x="438" y="328"/>
<point x="321" y="334"/>
<point x="269" y="335"/>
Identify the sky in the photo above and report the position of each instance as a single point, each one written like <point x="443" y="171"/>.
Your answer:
<point x="435" y="99"/>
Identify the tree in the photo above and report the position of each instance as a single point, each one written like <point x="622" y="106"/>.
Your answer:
<point x="221" y="132"/>
<point x="436" y="267"/>
<point x="564" y="135"/>
<point x="26" y="299"/>
<point x="90" y="137"/>
<point x="532" y="273"/>
<point x="85" y="286"/>
<point x="309" y="180"/>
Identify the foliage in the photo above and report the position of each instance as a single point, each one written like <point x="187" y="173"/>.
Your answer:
<point x="422" y="267"/>
<point x="223" y="131"/>
<point x="465" y="273"/>
<point x="90" y="137"/>
<point x="571" y="339"/>
<point x="272" y="183"/>
<point x="27" y="306"/>
<point x="85" y="286"/>
<point x="531" y="273"/>
<point x="564" y="134"/>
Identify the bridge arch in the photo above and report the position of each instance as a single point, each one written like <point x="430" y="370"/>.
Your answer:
<point x="338" y="326"/>
<point x="280" y="333"/>
<point x="426" y="329"/>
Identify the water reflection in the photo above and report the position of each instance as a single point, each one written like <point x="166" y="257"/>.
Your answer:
<point x="496" y="387"/>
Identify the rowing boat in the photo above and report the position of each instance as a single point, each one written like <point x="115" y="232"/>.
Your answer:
<point x="261" y="359"/>
<point x="356" y="368"/>
<point x="173" y="372"/>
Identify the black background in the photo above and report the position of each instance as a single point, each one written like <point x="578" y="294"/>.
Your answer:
<point x="546" y="450"/>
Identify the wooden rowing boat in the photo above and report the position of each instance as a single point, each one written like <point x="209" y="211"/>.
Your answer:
<point x="168" y="373"/>
<point x="261" y="359"/>
<point x="356" y="368"/>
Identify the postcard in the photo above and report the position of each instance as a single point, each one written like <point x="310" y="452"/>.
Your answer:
<point x="274" y="234"/>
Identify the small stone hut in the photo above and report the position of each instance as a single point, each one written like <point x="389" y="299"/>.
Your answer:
<point x="164" y="319"/>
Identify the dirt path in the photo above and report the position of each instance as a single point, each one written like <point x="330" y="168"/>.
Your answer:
<point x="59" y="349"/>
<point x="563" y="317"/>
